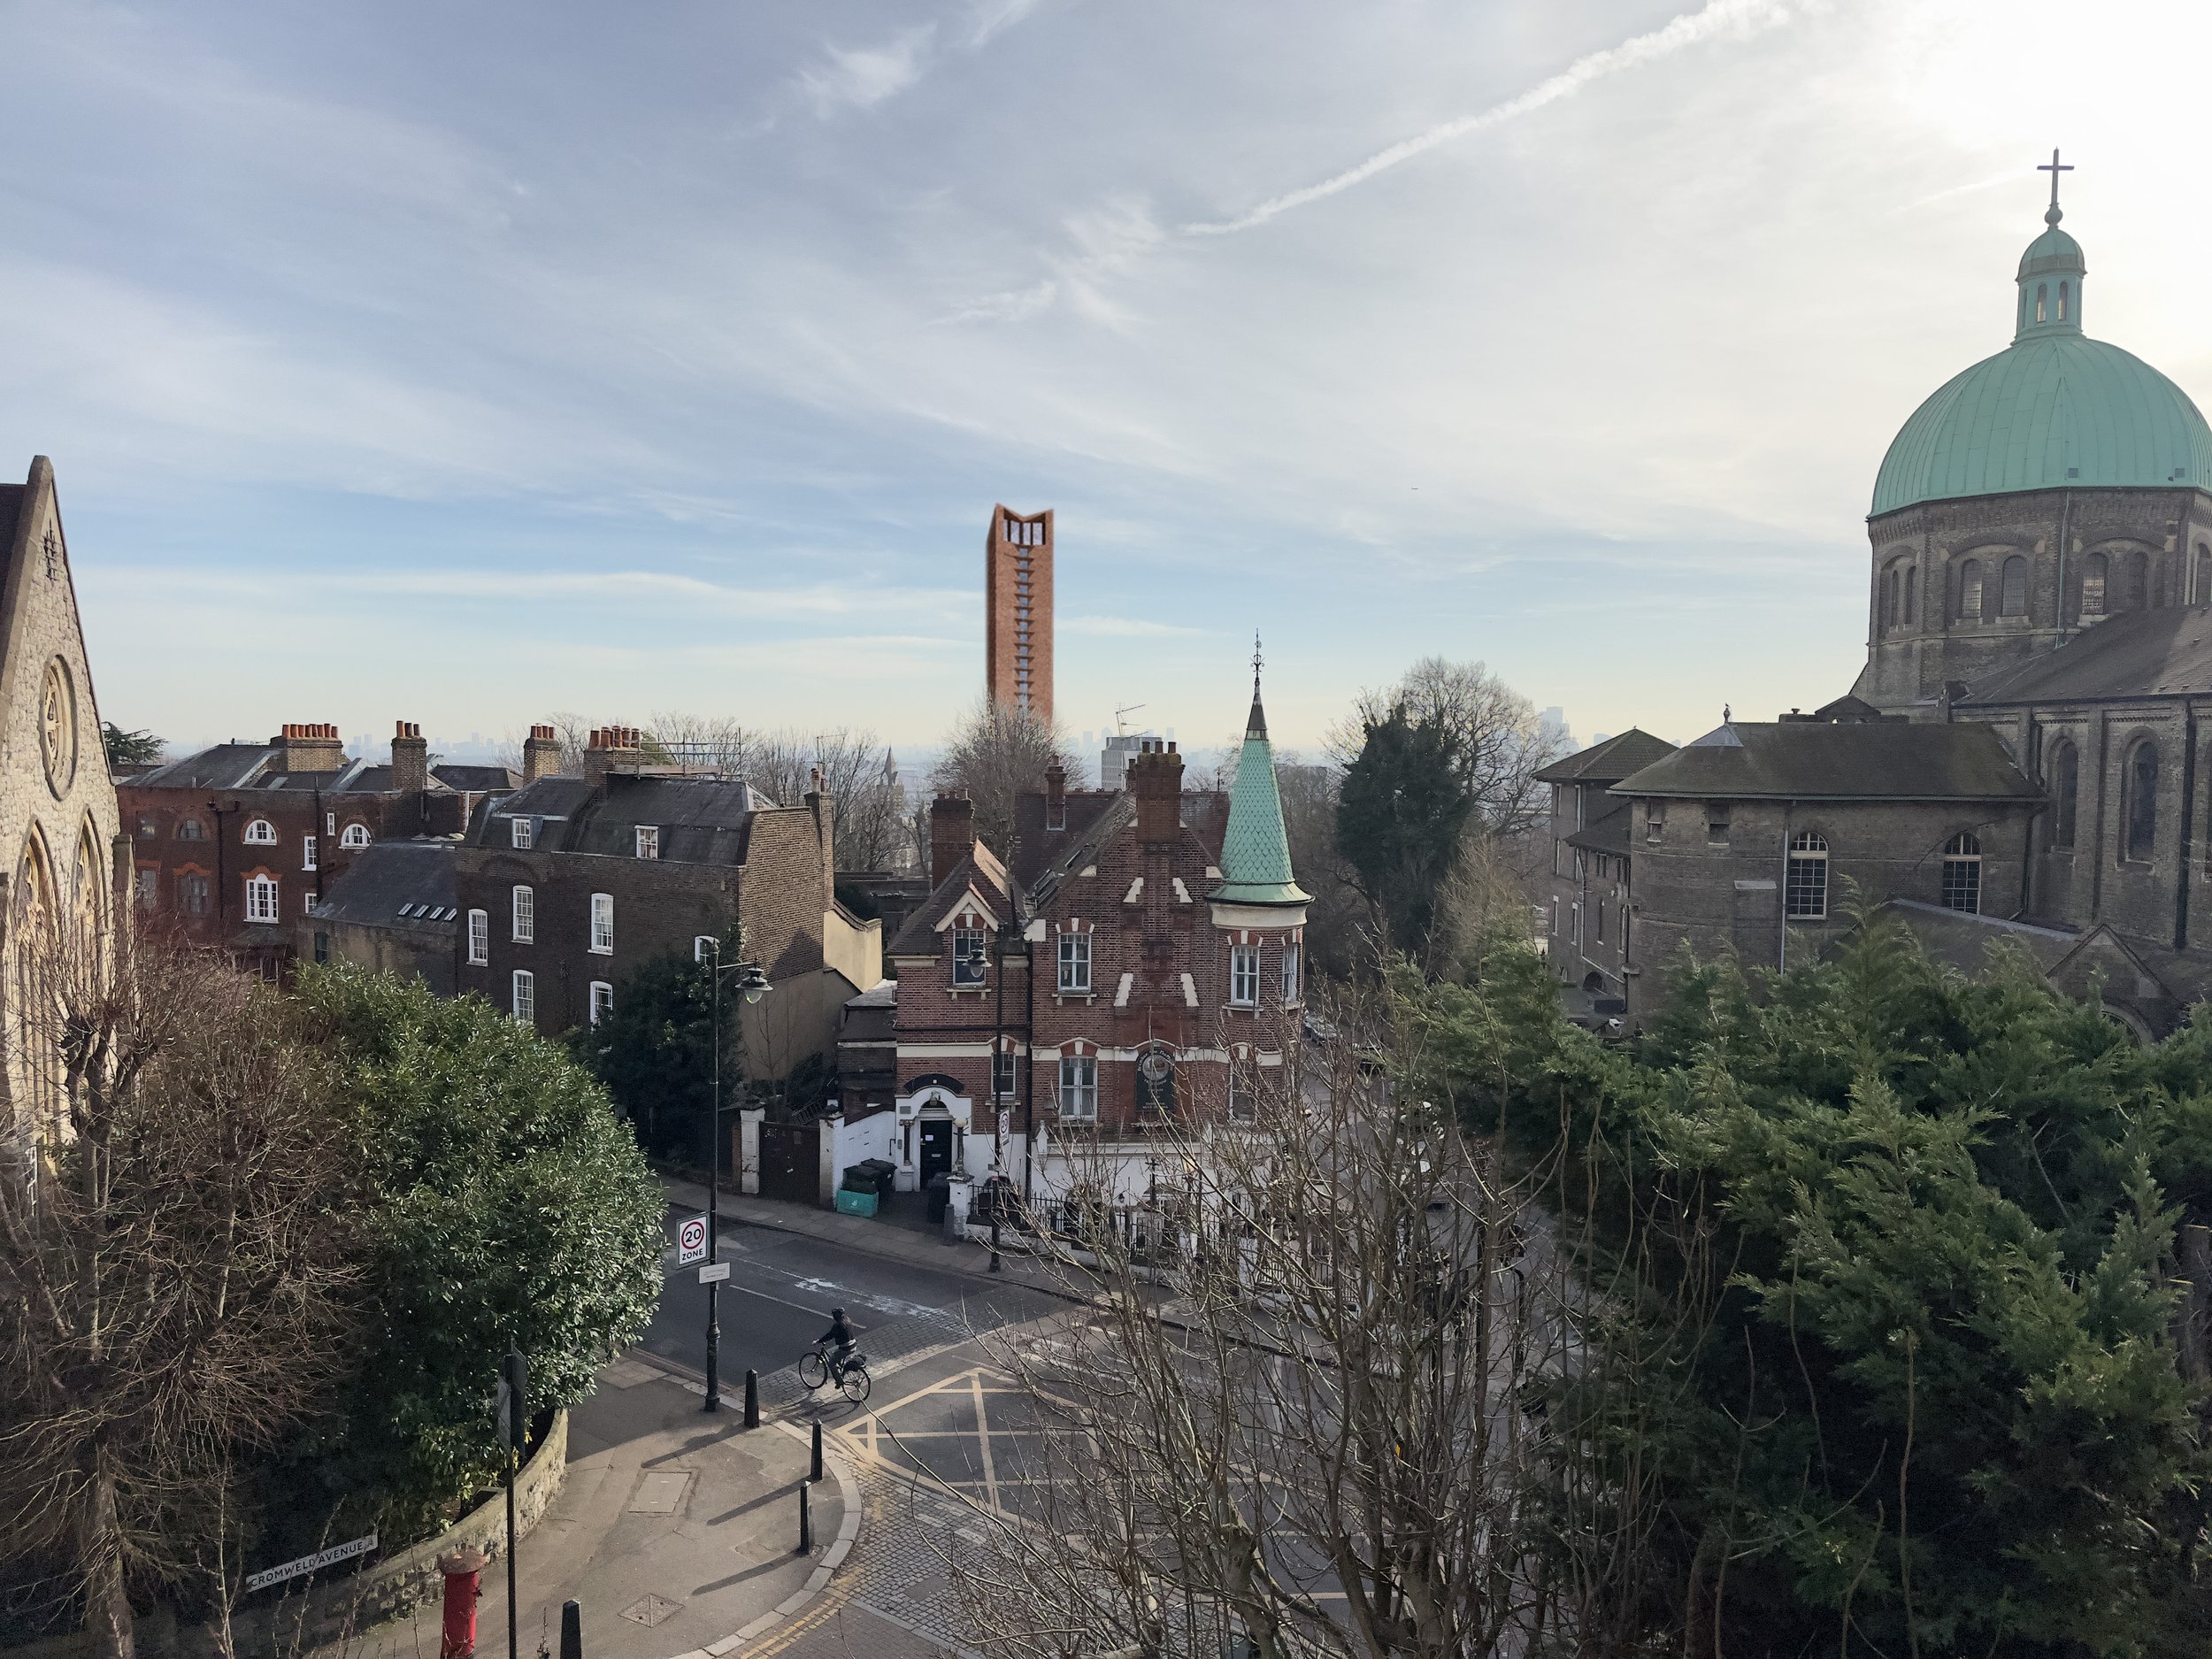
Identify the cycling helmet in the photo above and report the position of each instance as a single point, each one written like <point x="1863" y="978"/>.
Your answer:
<point x="837" y="1313"/>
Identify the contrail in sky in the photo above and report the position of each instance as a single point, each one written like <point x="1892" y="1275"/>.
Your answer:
<point x="1717" y="17"/>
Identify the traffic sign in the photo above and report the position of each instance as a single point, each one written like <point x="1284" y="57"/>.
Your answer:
<point x="714" y="1272"/>
<point x="691" y="1240"/>
<point x="321" y="1559"/>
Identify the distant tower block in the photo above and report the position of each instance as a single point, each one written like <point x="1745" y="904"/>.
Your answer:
<point x="1018" y="613"/>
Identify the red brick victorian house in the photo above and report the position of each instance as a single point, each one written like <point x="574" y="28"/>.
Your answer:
<point x="1129" y="964"/>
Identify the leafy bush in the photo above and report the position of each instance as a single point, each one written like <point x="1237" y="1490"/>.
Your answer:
<point x="510" y="1208"/>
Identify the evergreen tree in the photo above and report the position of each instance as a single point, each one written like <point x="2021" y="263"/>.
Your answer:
<point x="1896" y="1252"/>
<point x="1400" y="816"/>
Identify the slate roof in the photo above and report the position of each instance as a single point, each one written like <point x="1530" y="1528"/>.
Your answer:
<point x="1964" y="941"/>
<point x="475" y="780"/>
<point x="702" y="820"/>
<point x="979" y="869"/>
<point x="1608" y="762"/>
<point x="403" y="884"/>
<point x="1799" y="761"/>
<point x="1608" y="833"/>
<point x="2138" y="654"/>
<point x="229" y="766"/>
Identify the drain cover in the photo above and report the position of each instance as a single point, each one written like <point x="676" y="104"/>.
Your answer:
<point x="649" y="1610"/>
<point x="659" y="1492"/>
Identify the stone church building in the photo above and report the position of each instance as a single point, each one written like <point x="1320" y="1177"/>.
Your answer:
<point x="2019" y="759"/>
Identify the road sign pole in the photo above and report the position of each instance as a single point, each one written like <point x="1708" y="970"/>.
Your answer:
<point x="714" y="1180"/>
<point x="515" y="1372"/>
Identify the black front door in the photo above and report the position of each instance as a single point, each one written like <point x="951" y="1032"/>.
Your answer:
<point x="936" y="1148"/>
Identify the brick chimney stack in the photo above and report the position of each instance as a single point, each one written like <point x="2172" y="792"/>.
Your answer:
<point x="310" y="747"/>
<point x="541" y="754"/>
<point x="1155" y="778"/>
<point x="410" y="757"/>
<point x="612" y="749"/>
<point x="1055" y="797"/>
<point x="951" y="834"/>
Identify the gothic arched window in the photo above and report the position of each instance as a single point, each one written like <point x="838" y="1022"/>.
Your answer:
<point x="2065" y="780"/>
<point x="1904" y="582"/>
<point x="2092" y="585"/>
<point x="1887" y="605"/>
<point x="2012" y="587"/>
<point x="1970" y="591"/>
<point x="2141" y="818"/>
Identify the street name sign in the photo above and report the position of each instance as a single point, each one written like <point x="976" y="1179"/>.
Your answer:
<point x="321" y="1559"/>
<point x="713" y="1272"/>
<point x="691" y="1240"/>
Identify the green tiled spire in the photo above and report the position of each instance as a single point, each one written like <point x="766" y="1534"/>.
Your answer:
<point x="1255" y="851"/>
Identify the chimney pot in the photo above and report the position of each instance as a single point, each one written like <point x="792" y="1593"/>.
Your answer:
<point x="410" y="758"/>
<point x="951" y="834"/>
<point x="541" y="754"/>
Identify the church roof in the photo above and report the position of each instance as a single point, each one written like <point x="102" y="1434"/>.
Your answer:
<point x="2054" y="410"/>
<point x="1255" y="848"/>
<point x="1608" y="762"/>
<point x="2138" y="653"/>
<point x="1801" y="761"/>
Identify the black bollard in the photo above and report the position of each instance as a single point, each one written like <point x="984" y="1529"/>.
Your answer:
<point x="996" y="1268"/>
<point x="572" y="1630"/>
<point x="817" y="1450"/>
<point x="806" y="1518"/>
<point x="752" y="1399"/>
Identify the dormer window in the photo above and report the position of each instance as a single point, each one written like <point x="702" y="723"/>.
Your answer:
<point x="356" y="836"/>
<point x="518" y="834"/>
<point x="649" y="840"/>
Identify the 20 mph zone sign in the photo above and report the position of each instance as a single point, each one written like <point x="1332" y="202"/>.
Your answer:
<point x="691" y="1242"/>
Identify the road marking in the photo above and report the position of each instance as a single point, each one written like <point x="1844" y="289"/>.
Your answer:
<point x="983" y="1439"/>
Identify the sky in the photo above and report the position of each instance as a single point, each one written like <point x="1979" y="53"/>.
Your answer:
<point x="465" y="364"/>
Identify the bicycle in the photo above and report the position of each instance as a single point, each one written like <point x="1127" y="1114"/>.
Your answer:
<point x="852" y="1376"/>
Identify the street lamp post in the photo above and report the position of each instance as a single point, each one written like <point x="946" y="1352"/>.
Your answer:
<point x="753" y="986"/>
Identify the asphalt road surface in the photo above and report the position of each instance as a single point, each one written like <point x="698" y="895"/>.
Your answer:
<point x="776" y="1304"/>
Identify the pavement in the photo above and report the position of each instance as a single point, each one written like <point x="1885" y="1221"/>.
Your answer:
<point x="676" y="1531"/>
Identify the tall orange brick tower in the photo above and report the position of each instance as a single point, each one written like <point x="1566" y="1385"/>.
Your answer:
<point x="1018" y="613"/>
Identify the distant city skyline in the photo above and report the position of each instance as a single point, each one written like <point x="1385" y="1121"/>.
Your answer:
<point x="384" y="386"/>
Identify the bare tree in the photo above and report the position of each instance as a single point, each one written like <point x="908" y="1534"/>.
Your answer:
<point x="174" y="1249"/>
<point x="1499" y="742"/>
<point x="855" y="767"/>
<point x="1296" y="1413"/>
<point x="997" y="755"/>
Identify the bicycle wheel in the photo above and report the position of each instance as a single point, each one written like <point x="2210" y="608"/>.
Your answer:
<point x="814" y="1369"/>
<point x="855" y="1382"/>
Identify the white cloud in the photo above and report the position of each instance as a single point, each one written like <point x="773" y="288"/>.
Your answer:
<point x="861" y="77"/>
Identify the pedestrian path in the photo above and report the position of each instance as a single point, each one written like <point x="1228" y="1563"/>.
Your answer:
<point x="676" y="1531"/>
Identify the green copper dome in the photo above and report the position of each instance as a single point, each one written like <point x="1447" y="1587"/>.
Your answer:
<point x="2052" y="410"/>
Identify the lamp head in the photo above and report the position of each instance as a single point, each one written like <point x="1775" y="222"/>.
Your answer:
<point x="753" y="983"/>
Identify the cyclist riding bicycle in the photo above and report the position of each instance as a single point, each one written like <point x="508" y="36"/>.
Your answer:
<point x="841" y="1334"/>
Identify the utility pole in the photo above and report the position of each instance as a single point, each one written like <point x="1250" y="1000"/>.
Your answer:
<point x="754" y="986"/>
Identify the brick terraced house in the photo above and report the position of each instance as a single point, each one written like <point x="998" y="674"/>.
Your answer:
<point x="1132" y="960"/>
<point x="233" y="846"/>
<point x="571" y="883"/>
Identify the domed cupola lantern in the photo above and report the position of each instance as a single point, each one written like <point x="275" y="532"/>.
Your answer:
<point x="2051" y="273"/>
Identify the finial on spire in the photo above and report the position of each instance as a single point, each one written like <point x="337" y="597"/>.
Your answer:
<point x="2052" y="215"/>
<point x="1255" y="662"/>
<point x="1725" y="717"/>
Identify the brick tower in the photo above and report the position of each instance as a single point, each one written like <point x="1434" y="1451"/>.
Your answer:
<point x="1018" y="613"/>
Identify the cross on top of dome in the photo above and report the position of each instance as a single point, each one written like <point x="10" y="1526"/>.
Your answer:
<point x="2053" y="167"/>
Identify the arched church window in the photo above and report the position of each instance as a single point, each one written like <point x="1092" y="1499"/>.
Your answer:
<point x="2042" y="298"/>
<point x="1888" y="602"/>
<point x="2065" y="775"/>
<point x="2142" y="804"/>
<point x="2061" y="300"/>
<point x="1906" y="582"/>
<point x="1805" y="877"/>
<point x="2012" y="587"/>
<point x="2200" y="583"/>
<point x="1962" y="873"/>
<point x="2133" y="591"/>
<point x="2092" y="584"/>
<point x="1970" y="591"/>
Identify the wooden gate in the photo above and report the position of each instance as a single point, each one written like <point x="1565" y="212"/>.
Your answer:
<point x="791" y="1162"/>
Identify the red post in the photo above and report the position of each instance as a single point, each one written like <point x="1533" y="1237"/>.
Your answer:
<point x="463" y="1569"/>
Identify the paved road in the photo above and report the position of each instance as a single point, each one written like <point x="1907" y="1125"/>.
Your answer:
<point x="777" y="1302"/>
